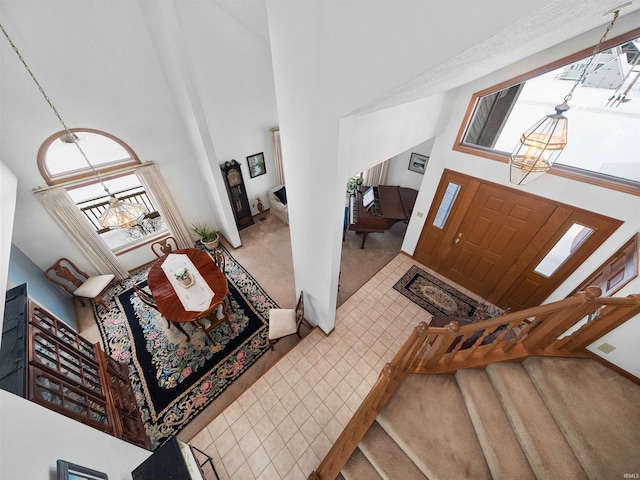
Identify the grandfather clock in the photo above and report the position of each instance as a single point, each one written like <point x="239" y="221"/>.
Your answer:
<point x="237" y="193"/>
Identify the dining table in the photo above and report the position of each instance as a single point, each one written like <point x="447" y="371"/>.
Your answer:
<point x="184" y="303"/>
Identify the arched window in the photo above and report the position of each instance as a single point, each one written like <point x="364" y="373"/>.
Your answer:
<point x="60" y="161"/>
<point x="112" y="168"/>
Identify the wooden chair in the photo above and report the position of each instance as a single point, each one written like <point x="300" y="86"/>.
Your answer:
<point x="164" y="247"/>
<point x="285" y="321"/>
<point x="147" y="298"/>
<point x="220" y="261"/>
<point x="215" y="315"/>
<point x="219" y="258"/>
<point x="78" y="283"/>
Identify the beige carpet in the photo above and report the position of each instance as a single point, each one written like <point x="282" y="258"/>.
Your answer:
<point x="544" y="418"/>
<point x="266" y="254"/>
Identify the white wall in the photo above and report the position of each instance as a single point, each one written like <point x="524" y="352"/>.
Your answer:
<point x="32" y="438"/>
<point x="592" y="198"/>
<point x="174" y="88"/>
<point x="8" y="188"/>
<point x="399" y="173"/>
<point x="327" y="62"/>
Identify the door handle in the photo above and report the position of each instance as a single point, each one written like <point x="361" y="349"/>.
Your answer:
<point x="458" y="237"/>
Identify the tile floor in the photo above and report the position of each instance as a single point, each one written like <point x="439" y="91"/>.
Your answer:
<point x="285" y="423"/>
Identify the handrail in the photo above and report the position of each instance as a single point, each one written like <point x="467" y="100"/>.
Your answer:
<point x="514" y="336"/>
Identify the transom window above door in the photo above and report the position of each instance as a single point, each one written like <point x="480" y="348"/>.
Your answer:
<point x="603" y="146"/>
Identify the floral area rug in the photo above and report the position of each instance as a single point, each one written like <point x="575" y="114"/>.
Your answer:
<point x="173" y="379"/>
<point x="439" y="298"/>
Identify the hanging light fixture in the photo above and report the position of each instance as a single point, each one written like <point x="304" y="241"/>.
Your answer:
<point x="541" y="145"/>
<point x="118" y="214"/>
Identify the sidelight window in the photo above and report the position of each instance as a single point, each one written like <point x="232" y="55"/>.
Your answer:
<point x="449" y="198"/>
<point x="563" y="249"/>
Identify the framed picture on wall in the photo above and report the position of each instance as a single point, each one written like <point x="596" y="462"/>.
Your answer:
<point x="418" y="163"/>
<point x="256" y="165"/>
<point x="70" y="471"/>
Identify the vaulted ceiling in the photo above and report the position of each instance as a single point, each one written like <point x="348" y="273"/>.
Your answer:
<point x="132" y="67"/>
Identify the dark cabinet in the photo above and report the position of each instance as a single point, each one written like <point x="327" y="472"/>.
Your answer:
<point x="237" y="193"/>
<point x="44" y="360"/>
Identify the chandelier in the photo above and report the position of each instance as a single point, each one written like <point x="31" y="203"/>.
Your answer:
<point x="541" y="145"/>
<point x="119" y="214"/>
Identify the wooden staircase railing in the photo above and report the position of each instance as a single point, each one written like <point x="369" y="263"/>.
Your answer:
<point x="514" y="336"/>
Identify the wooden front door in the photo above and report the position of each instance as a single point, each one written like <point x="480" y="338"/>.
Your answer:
<point x="497" y="241"/>
<point x="490" y="238"/>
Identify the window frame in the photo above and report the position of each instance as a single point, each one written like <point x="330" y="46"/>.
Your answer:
<point x="585" y="176"/>
<point x="79" y="178"/>
<point x="85" y="172"/>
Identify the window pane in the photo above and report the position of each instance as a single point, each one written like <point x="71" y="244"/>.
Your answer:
<point x="448" y="200"/>
<point x="64" y="157"/>
<point x="604" y="122"/>
<point x="92" y="200"/>
<point x="561" y="251"/>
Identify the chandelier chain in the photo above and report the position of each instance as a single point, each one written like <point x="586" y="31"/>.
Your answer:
<point x="593" y="56"/>
<point x="48" y="100"/>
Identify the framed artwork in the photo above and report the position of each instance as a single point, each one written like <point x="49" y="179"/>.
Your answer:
<point x="418" y="163"/>
<point x="256" y="165"/>
<point x="71" y="471"/>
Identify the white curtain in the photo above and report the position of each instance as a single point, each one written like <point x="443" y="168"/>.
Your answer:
<point x="376" y="175"/>
<point x="277" y="155"/>
<point x="156" y="188"/>
<point x="60" y="205"/>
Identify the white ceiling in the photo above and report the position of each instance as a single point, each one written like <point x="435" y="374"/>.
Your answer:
<point x="549" y="24"/>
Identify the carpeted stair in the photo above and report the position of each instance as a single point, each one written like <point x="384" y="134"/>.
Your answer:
<point x="545" y="418"/>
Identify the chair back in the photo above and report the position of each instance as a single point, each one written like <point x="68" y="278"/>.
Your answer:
<point x="164" y="247"/>
<point x="66" y="274"/>
<point x="216" y="314"/>
<point x="219" y="258"/>
<point x="299" y="312"/>
<point x="145" y="297"/>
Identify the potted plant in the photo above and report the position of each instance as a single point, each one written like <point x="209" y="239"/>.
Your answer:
<point x="353" y="183"/>
<point x="184" y="277"/>
<point x="210" y="237"/>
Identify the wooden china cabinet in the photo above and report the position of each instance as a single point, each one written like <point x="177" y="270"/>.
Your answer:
<point x="237" y="193"/>
<point x="44" y="360"/>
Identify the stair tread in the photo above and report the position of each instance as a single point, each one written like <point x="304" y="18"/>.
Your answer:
<point x="387" y="457"/>
<point x="597" y="410"/>
<point x="549" y="454"/>
<point x="359" y="468"/>
<point x="427" y="417"/>
<point x="501" y="447"/>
